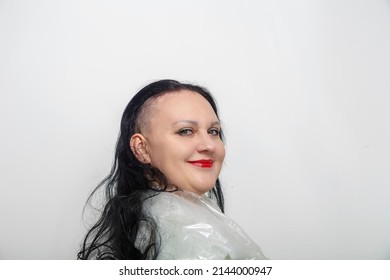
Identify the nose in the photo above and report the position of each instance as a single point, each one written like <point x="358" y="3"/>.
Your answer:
<point x="206" y="143"/>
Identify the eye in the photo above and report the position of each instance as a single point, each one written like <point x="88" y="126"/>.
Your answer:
<point x="214" y="131"/>
<point x="185" y="132"/>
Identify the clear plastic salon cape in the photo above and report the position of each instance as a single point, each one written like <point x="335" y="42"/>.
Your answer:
<point x="192" y="227"/>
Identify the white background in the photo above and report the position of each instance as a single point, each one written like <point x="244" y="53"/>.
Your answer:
<point x="303" y="89"/>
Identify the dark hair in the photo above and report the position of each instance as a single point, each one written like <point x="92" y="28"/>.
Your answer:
<point x="128" y="185"/>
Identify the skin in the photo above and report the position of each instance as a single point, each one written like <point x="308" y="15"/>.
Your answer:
<point x="182" y="127"/>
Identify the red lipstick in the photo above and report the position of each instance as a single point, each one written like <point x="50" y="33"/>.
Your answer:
<point x="204" y="163"/>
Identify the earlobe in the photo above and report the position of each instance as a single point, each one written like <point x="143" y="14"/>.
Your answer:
<point x="138" y="145"/>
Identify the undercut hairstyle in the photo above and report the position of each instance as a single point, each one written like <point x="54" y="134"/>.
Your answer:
<point x="130" y="183"/>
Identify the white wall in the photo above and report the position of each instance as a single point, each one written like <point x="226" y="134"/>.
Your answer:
<point x="303" y="88"/>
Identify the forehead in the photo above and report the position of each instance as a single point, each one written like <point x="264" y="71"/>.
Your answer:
<point x="183" y="104"/>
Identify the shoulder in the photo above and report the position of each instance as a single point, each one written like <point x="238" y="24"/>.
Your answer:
<point x="181" y="207"/>
<point x="192" y="227"/>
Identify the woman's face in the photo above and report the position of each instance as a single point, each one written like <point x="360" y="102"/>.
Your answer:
<point x="183" y="140"/>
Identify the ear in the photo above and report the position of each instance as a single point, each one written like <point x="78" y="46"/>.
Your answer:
<point x="139" y="147"/>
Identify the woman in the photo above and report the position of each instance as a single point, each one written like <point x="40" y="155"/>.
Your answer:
<point x="163" y="195"/>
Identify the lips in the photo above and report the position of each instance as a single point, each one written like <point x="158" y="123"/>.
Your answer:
<point x="203" y="163"/>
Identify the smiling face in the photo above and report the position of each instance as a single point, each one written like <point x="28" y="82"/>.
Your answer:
<point x="181" y="138"/>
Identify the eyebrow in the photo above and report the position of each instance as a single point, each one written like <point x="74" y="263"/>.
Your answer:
<point x="195" y="122"/>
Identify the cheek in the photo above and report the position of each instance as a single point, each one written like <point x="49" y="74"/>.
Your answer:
<point x="166" y="155"/>
<point x="157" y="154"/>
<point x="221" y="151"/>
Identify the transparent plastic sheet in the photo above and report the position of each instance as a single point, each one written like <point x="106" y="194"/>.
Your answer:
<point x="192" y="227"/>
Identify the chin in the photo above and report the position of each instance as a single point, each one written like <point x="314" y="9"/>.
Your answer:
<point x="203" y="188"/>
<point x="199" y="186"/>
